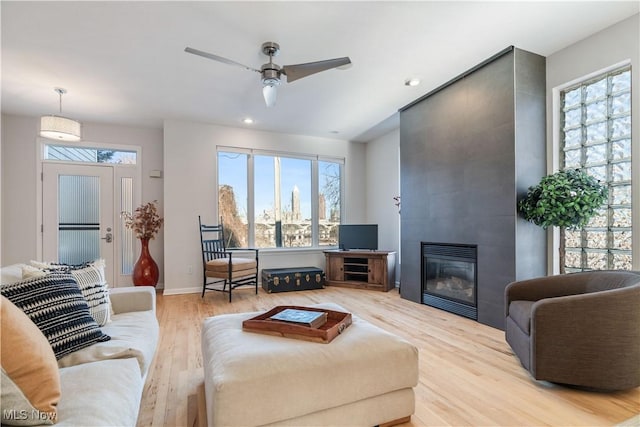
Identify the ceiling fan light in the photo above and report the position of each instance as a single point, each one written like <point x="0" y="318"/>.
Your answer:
<point x="270" y="93"/>
<point x="60" y="128"/>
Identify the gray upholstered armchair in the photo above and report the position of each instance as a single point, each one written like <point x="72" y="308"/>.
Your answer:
<point x="581" y="329"/>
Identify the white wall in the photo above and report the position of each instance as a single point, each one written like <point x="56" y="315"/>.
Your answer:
<point x="189" y="168"/>
<point x="20" y="171"/>
<point x="190" y="190"/>
<point x="1" y="192"/>
<point x="19" y="161"/>
<point x="616" y="44"/>
<point x="383" y="183"/>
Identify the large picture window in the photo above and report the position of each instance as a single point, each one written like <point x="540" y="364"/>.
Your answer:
<point x="271" y="200"/>
<point x="596" y="137"/>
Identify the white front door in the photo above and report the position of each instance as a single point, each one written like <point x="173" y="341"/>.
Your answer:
<point x="78" y="215"/>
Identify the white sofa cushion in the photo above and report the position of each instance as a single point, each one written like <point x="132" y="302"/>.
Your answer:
<point x="133" y="334"/>
<point x="11" y="274"/>
<point x="103" y="393"/>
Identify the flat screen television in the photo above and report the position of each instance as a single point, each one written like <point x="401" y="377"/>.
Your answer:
<point x="358" y="236"/>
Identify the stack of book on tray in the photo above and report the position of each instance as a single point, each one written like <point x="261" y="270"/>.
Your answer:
<point x="312" y="319"/>
<point x="299" y="322"/>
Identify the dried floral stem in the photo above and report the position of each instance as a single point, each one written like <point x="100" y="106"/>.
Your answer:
<point x="144" y="221"/>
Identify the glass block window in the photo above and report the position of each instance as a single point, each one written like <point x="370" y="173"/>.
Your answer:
<point x="596" y="137"/>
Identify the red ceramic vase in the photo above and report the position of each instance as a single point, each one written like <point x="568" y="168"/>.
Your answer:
<point x="145" y="272"/>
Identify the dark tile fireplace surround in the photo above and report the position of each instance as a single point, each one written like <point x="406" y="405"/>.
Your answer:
<point x="468" y="151"/>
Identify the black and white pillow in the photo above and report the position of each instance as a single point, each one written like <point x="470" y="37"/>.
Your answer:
<point x="93" y="285"/>
<point x="56" y="305"/>
<point x="90" y="278"/>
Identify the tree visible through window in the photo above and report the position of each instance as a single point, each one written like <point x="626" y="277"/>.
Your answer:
<point x="330" y="181"/>
<point x="232" y="198"/>
<point x="281" y="200"/>
<point x="596" y="137"/>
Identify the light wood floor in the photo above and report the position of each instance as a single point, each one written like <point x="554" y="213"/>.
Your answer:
<point x="468" y="374"/>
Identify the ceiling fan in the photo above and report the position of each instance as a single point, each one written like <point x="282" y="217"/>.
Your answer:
<point x="271" y="72"/>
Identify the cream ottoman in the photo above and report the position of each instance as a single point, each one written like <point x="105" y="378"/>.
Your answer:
<point x="364" y="377"/>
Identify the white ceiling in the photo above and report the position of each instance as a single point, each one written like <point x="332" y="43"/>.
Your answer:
<point x="124" y="62"/>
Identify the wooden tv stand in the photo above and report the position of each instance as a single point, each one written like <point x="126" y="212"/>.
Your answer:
<point x="362" y="269"/>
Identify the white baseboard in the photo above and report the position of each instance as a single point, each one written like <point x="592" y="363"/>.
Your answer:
<point x="180" y="291"/>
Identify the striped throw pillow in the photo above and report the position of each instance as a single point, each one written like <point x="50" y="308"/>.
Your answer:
<point x="91" y="280"/>
<point x="56" y="305"/>
<point x="93" y="285"/>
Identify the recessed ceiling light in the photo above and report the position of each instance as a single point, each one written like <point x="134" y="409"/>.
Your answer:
<point x="335" y="132"/>
<point x="412" y="82"/>
<point x="247" y="121"/>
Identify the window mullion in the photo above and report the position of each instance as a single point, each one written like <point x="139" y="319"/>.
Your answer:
<point x="584" y="239"/>
<point x="609" y="114"/>
<point x="315" y="214"/>
<point x="251" y="202"/>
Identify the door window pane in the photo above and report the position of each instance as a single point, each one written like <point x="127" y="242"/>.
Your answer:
<point x="126" y="234"/>
<point x="79" y="219"/>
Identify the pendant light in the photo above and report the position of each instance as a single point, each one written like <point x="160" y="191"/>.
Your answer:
<point x="58" y="127"/>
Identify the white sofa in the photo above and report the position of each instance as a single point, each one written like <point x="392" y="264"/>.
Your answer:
<point x="101" y="385"/>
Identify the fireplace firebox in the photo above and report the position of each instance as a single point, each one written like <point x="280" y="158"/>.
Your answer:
<point x="449" y="277"/>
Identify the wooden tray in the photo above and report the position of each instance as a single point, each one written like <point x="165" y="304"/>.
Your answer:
<point x="337" y="322"/>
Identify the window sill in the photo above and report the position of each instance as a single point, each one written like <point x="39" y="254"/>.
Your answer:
<point x="315" y="249"/>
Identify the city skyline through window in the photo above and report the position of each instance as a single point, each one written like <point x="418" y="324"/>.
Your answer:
<point x="282" y="200"/>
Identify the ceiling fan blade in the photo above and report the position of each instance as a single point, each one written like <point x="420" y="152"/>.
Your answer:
<point x="218" y="58"/>
<point x="298" y="71"/>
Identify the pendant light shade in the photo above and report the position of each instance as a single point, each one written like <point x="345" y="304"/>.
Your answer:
<point x="58" y="127"/>
<point x="61" y="128"/>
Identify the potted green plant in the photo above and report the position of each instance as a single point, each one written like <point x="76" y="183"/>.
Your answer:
<point x="566" y="199"/>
